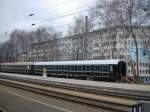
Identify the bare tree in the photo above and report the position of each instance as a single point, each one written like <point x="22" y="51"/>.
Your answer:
<point x="20" y="41"/>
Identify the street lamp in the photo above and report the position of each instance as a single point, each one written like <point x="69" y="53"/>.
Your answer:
<point x="31" y="14"/>
<point x="33" y="24"/>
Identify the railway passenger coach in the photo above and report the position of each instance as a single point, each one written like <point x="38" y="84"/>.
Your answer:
<point x="103" y="70"/>
<point x="22" y="68"/>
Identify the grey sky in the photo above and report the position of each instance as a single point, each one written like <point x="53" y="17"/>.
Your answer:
<point x="14" y="13"/>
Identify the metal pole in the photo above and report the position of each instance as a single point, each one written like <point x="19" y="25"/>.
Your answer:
<point x="85" y="39"/>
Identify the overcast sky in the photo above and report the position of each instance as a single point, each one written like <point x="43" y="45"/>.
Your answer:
<point x="14" y="14"/>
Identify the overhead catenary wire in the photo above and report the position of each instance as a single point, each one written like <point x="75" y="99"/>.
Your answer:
<point x="59" y="17"/>
<point x="54" y="6"/>
<point x="66" y="24"/>
<point x="63" y="16"/>
<point x="74" y="9"/>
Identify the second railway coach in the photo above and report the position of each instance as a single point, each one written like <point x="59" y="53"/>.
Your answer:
<point x="21" y="67"/>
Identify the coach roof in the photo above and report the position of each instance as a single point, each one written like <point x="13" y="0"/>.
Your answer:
<point x="85" y="62"/>
<point x="18" y="63"/>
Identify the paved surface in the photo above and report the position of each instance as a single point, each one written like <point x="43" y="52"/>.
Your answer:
<point x="17" y="100"/>
<point x="86" y="83"/>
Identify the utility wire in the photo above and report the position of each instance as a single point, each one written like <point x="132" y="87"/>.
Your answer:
<point x="63" y="16"/>
<point x="57" y="5"/>
<point x="59" y="16"/>
<point x="67" y="24"/>
<point x="77" y="8"/>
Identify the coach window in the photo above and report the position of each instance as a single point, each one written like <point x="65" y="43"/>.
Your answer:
<point x="105" y="68"/>
<point x="50" y="67"/>
<point x="56" y="67"/>
<point x="21" y="67"/>
<point x="72" y="67"/>
<point x="59" y="67"/>
<point x="75" y="67"/>
<point x="92" y="67"/>
<point x="84" y="67"/>
<point x="69" y="67"/>
<point x="13" y="66"/>
<point x="35" y="67"/>
<point x="65" y="67"/>
<point x="41" y="67"/>
<point x="100" y="67"/>
<point x="97" y="67"/>
<point x="87" y="67"/>
<point x="24" y="67"/>
<point x="47" y="67"/>
<point x="62" y="67"/>
<point x="79" y="67"/>
<point x="111" y="68"/>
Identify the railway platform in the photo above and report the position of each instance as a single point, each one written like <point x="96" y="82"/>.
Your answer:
<point x="85" y="83"/>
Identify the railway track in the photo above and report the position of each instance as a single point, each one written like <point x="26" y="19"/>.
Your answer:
<point x="110" y="102"/>
<point x="124" y="93"/>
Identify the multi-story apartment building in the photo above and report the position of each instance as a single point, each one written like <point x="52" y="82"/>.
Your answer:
<point x="106" y="43"/>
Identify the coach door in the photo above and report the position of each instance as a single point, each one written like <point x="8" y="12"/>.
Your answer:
<point x="122" y="68"/>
